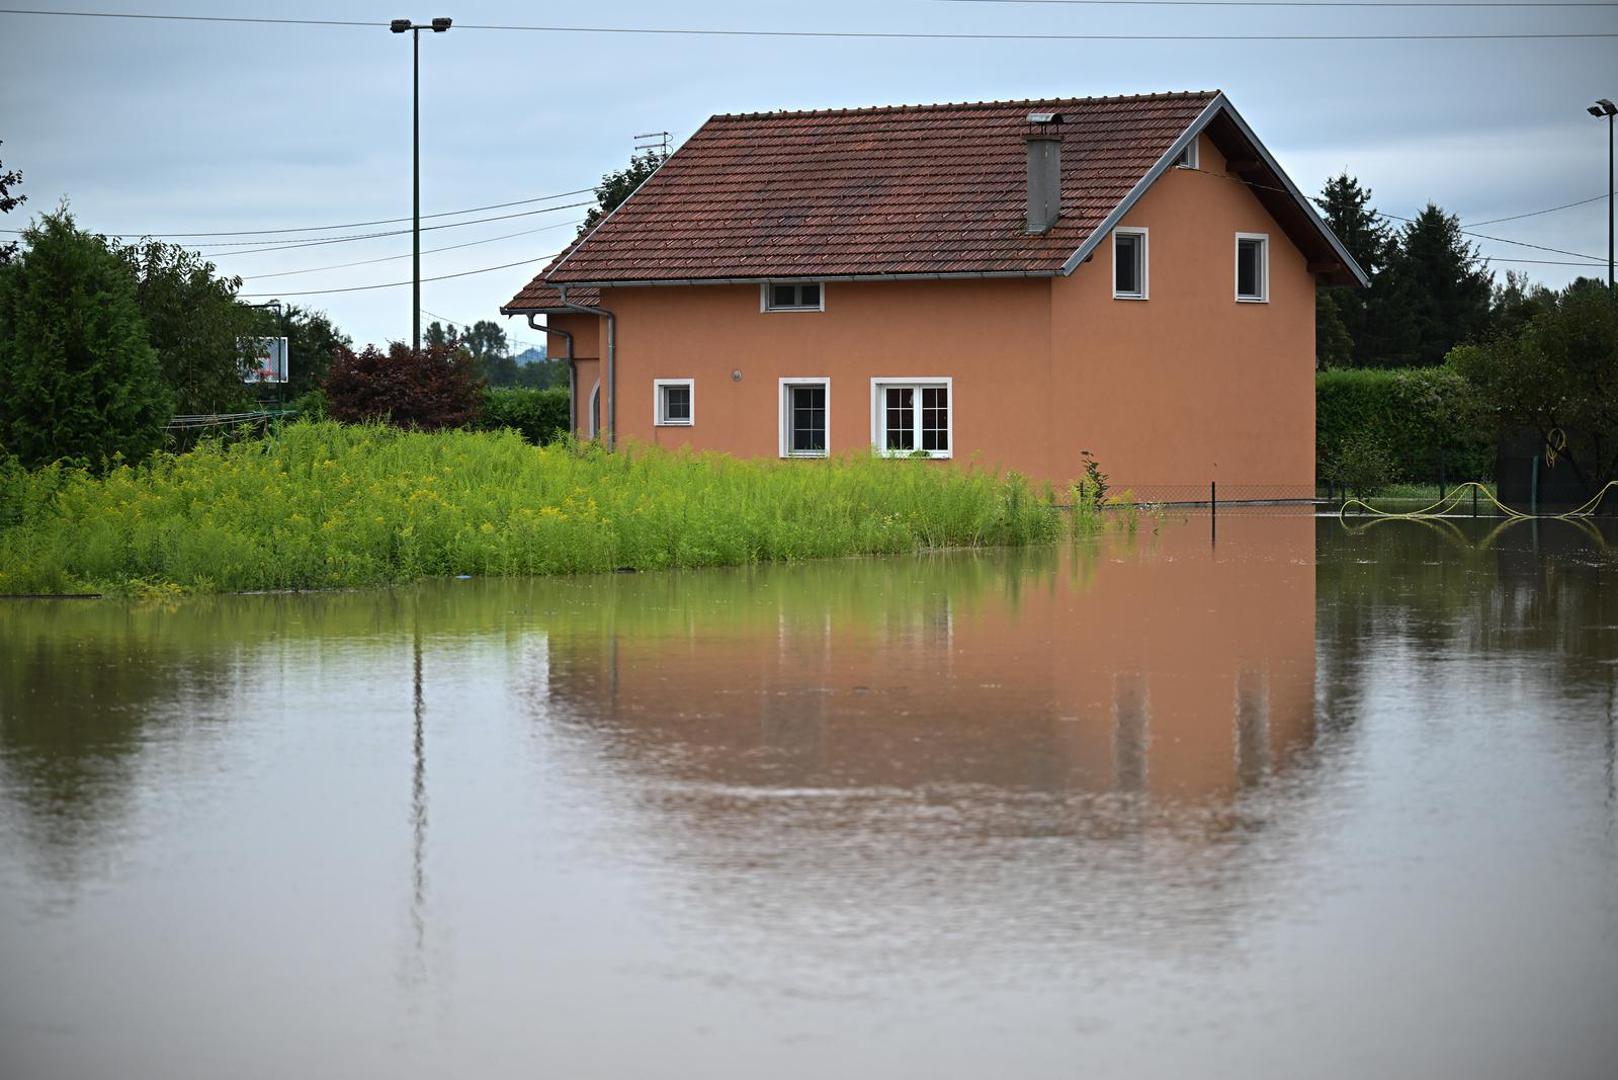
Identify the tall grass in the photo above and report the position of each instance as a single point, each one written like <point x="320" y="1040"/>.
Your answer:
<point x="322" y="505"/>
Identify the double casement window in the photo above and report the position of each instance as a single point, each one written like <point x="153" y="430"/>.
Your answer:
<point x="1252" y="268"/>
<point x="805" y="418"/>
<point x="1129" y="264"/>
<point x="911" y="417"/>
<point x="792" y="296"/>
<point x="674" y="402"/>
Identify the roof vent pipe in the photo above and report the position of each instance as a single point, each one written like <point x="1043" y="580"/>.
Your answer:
<point x="1044" y="172"/>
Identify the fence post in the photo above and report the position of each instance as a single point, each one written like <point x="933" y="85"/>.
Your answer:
<point x="1533" y="487"/>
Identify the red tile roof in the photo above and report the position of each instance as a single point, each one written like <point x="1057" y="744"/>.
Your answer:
<point x="922" y="189"/>
<point x="538" y="296"/>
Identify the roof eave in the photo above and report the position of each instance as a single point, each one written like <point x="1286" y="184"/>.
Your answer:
<point x="1220" y="105"/>
<point x="945" y="275"/>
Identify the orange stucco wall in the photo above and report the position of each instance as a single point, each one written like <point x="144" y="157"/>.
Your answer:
<point x="1190" y="386"/>
<point x="1184" y="388"/>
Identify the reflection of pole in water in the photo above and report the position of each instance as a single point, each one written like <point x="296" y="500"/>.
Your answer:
<point x="418" y="808"/>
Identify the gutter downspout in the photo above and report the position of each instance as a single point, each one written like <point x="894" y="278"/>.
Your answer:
<point x="612" y="361"/>
<point x="572" y="392"/>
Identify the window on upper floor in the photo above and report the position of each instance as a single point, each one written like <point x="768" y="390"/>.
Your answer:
<point x="793" y="296"/>
<point x="1188" y="156"/>
<point x="1129" y="264"/>
<point x="674" y="402"/>
<point x="911" y="417"/>
<point x="1252" y="267"/>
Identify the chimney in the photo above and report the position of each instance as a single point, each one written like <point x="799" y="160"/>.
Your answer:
<point x="1044" y="171"/>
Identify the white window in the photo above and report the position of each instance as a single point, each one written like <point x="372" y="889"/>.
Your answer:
<point x="1188" y="156"/>
<point x="912" y="416"/>
<point x="805" y="419"/>
<point x="675" y="402"/>
<point x="1252" y="267"/>
<point x="1129" y="264"/>
<point x="792" y="296"/>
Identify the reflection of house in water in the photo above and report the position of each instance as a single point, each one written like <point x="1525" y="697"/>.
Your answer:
<point x="1181" y="674"/>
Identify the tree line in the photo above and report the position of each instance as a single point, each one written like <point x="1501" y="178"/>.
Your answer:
<point x="1430" y="290"/>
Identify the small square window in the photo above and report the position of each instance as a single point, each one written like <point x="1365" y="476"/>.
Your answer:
<point x="783" y="296"/>
<point x="1129" y="264"/>
<point x="1188" y="157"/>
<point x="674" y="400"/>
<point x="1252" y="267"/>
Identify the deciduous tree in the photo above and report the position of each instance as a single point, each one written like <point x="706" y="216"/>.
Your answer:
<point x="619" y="185"/>
<point x="1557" y="373"/>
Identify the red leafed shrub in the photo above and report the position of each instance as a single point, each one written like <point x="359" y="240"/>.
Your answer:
<point x="427" y="390"/>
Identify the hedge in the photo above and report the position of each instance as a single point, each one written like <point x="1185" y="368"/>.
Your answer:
<point x="540" y="416"/>
<point x="1423" y="421"/>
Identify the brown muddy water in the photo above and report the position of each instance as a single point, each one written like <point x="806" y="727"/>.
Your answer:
<point x="1306" y="802"/>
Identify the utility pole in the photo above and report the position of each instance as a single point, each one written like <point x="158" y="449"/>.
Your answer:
<point x="1604" y="107"/>
<point x="400" y="26"/>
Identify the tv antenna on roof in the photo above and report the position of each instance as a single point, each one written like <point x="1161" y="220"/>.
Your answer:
<point x="655" y="141"/>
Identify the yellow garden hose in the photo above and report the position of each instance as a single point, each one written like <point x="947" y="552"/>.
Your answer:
<point x="1443" y="507"/>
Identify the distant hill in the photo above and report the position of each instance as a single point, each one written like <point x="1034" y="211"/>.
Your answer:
<point x="534" y="354"/>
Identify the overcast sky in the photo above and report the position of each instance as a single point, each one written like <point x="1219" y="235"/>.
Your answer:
<point x="167" y="127"/>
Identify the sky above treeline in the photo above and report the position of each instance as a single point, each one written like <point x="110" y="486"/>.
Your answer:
<point x="163" y="126"/>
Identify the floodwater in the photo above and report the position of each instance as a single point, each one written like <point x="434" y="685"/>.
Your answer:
<point x="1302" y="802"/>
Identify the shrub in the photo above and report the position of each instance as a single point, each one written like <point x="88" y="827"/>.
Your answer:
<point x="323" y="505"/>
<point x="1361" y="463"/>
<point x="427" y="390"/>
<point x="1415" y="420"/>
<point x="81" y="382"/>
<point x="540" y="416"/>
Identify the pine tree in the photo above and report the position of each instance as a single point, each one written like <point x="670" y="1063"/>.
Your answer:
<point x="1334" y="348"/>
<point x="81" y="382"/>
<point x="1440" y="290"/>
<point x="1347" y="209"/>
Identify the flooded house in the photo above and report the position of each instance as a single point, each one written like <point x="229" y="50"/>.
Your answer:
<point x="1007" y="283"/>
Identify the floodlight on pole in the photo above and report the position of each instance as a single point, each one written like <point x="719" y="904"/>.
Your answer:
<point x="401" y="26"/>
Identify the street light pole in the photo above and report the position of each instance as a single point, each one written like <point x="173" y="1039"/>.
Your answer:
<point x="1604" y="107"/>
<point x="399" y="26"/>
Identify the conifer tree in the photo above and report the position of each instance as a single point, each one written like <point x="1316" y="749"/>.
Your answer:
<point x="81" y="382"/>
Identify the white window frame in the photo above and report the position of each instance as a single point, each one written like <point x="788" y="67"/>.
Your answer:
<point x="1145" y="263"/>
<point x="765" y="305"/>
<point x="783" y="418"/>
<point x="879" y="440"/>
<point x="1188" y="157"/>
<point x="592" y="417"/>
<point x="659" y="416"/>
<point x="1263" y="296"/>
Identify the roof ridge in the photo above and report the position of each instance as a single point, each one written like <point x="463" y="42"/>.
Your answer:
<point x="861" y="110"/>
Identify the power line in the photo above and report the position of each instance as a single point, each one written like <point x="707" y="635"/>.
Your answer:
<point x="406" y="255"/>
<point x="1396" y="217"/>
<point x="396" y="284"/>
<point x="278" y="245"/>
<point x="844" y="35"/>
<point x="324" y="228"/>
<point x="1536" y="213"/>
